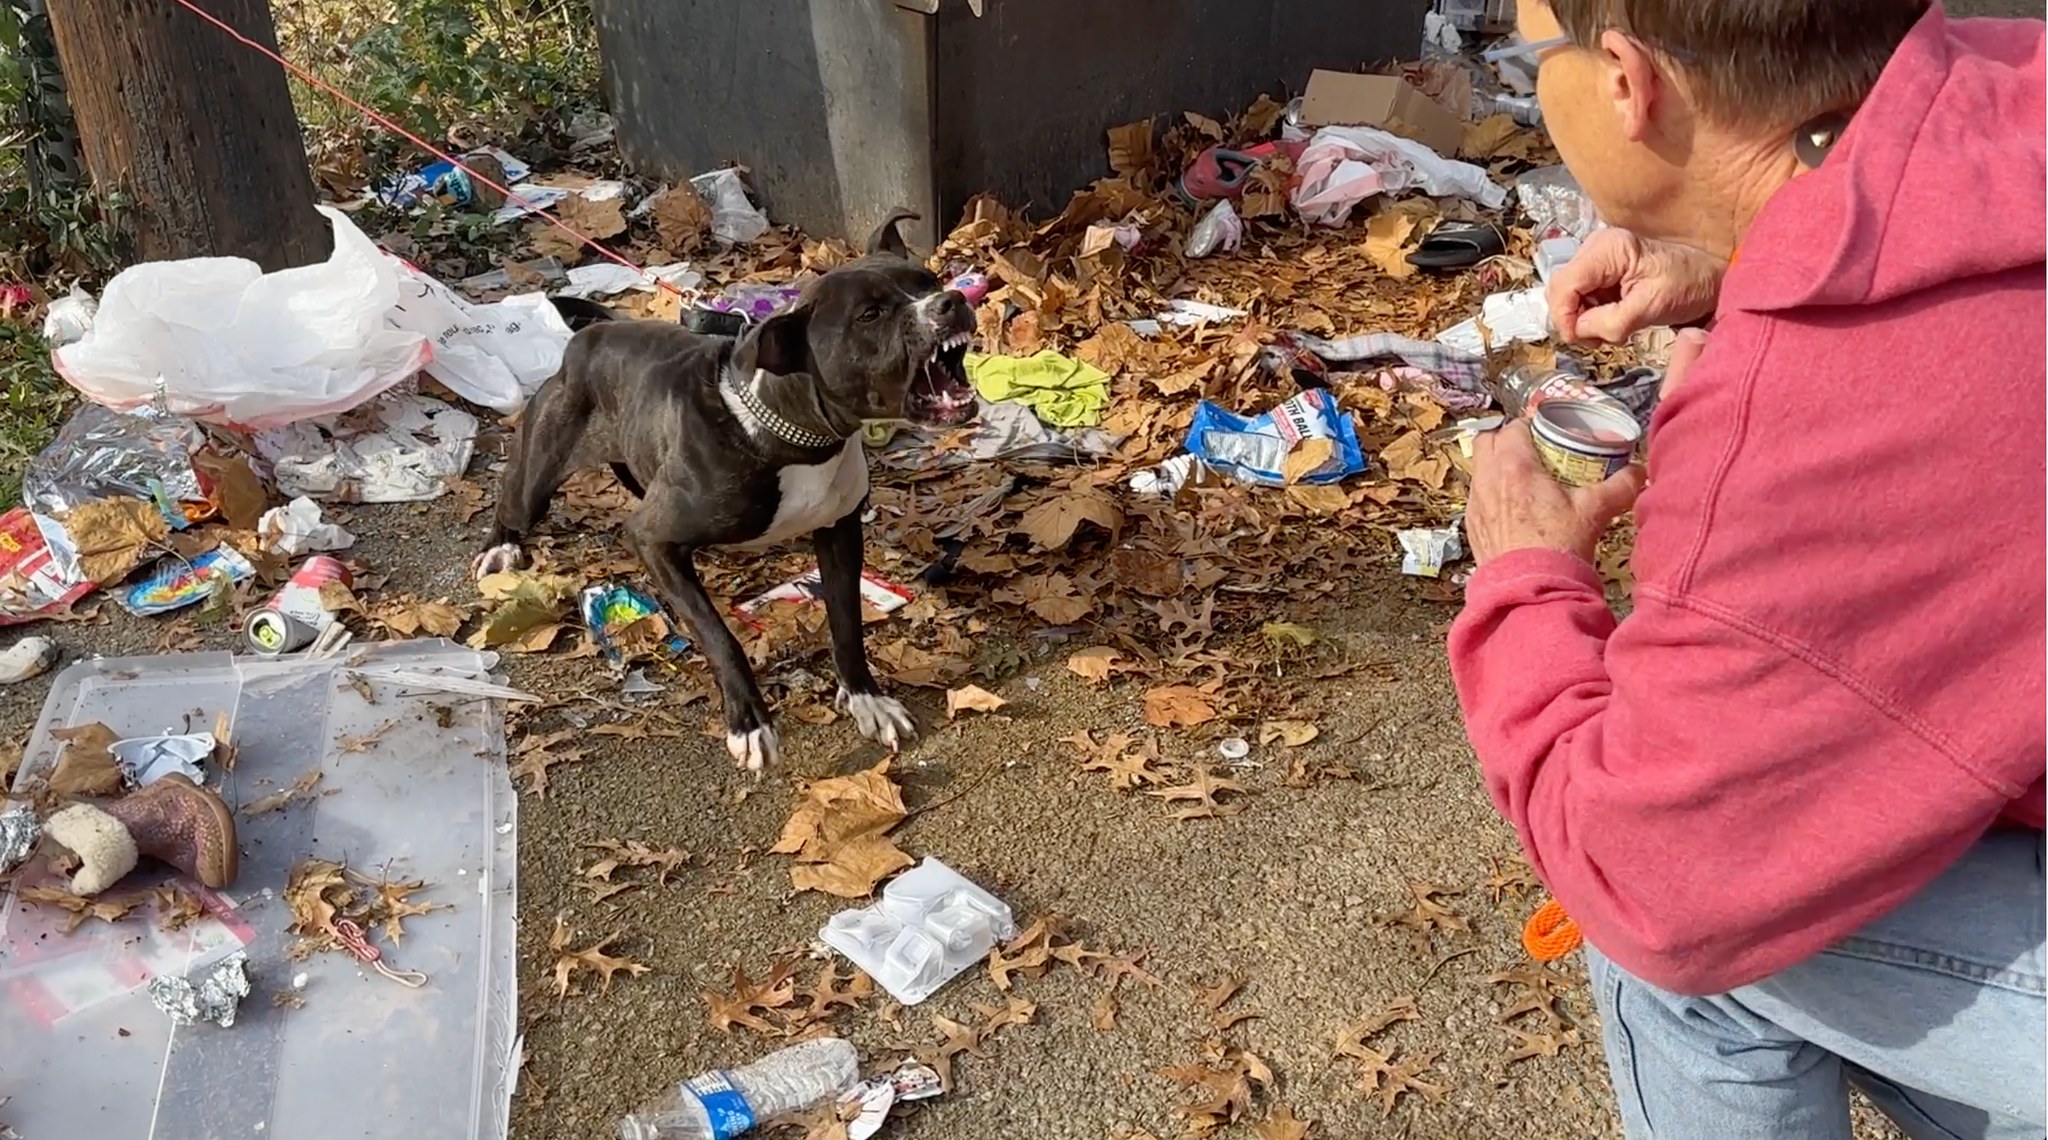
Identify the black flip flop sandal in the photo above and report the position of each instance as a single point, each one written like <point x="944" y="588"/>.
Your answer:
<point x="1458" y="245"/>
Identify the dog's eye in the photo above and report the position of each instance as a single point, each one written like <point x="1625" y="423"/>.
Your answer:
<point x="870" y="315"/>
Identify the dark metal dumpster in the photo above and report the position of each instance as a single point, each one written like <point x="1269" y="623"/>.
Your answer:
<point x="845" y="109"/>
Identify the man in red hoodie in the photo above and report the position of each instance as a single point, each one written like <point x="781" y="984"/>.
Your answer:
<point x="1794" y="800"/>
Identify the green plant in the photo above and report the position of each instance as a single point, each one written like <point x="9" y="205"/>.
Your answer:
<point x="33" y="403"/>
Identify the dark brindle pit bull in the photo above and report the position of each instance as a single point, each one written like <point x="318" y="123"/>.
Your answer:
<point x="748" y="443"/>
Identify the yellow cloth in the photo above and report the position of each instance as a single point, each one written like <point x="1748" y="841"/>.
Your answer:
<point x="1066" y="393"/>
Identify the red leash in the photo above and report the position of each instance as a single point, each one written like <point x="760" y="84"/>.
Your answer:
<point x="375" y="117"/>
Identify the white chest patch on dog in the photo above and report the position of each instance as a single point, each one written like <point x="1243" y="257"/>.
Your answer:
<point x="818" y="495"/>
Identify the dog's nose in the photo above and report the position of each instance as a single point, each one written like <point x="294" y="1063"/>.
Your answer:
<point x="953" y="306"/>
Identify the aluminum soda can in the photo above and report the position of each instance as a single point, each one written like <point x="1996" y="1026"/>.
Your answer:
<point x="294" y="617"/>
<point x="1520" y="391"/>
<point x="1582" y="442"/>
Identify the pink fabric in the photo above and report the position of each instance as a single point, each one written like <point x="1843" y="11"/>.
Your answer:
<point x="1832" y="681"/>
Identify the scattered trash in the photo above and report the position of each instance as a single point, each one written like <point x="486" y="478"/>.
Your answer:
<point x="70" y="317"/>
<point x="180" y="583"/>
<point x="1520" y="390"/>
<point x="1523" y="109"/>
<point x="1220" y="230"/>
<point x="101" y="452"/>
<point x="1169" y="477"/>
<point x="728" y="1103"/>
<point x="1010" y="432"/>
<point x="637" y="684"/>
<point x="440" y="179"/>
<point x="609" y="278"/>
<point x="866" y="1107"/>
<point x="1306" y="439"/>
<point x="734" y="218"/>
<point x="1508" y="317"/>
<point x="1638" y="389"/>
<point x="627" y="624"/>
<point x="539" y="273"/>
<point x="216" y="998"/>
<point x="298" y="528"/>
<point x="146" y="759"/>
<point x="1064" y="392"/>
<point x="39" y="570"/>
<point x="754" y="301"/>
<point x="298" y="614"/>
<point x="930" y="924"/>
<point x="1583" y="442"/>
<point x="401" y="448"/>
<point x="1188" y="314"/>
<point x="1458" y="376"/>
<point x="493" y="354"/>
<point x="1344" y="166"/>
<point x="877" y="594"/>
<point x="1425" y="551"/>
<point x="532" y="196"/>
<point x="973" y="286"/>
<point x="1234" y="748"/>
<point x="29" y="657"/>
<point x="217" y="339"/>
<point x="1555" y="203"/>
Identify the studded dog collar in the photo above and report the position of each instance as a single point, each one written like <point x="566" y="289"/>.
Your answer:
<point x="777" y="425"/>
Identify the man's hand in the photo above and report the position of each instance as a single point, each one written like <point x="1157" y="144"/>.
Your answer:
<point x="1620" y="283"/>
<point x="1516" y="504"/>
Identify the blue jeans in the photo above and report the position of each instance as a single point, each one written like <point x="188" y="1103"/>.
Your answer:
<point x="1935" y="1011"/>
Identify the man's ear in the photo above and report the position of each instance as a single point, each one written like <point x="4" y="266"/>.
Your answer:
<point x="782" y="345"/>
<point x="887" y="239"/>
<point x="1633" y="82"/>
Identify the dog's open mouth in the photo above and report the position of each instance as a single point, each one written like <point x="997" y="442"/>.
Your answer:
<point x="939" y="393"/>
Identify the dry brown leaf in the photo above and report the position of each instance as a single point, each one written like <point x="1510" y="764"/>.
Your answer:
<point x="176" y="907"/>
<point x="1428" y="915"/>
<point x="569" y="963"/>
<point x="435" y="619"/>
<point x="79" y="907"/>
<point x="1122" y="966"/>
<point x="1210" y="128"/>
<point x="1183" y="705"/>
<point x="1027" y="955"/>
<point x="114" y="536"/>
<point x="1413" y="458"/>
<point x="1096" y="663"/>
<point x="300" y="791"/>
<point x="535" y="754"/>
<point x="1130" y="149"/>
<point x="1292" y="733"/>
<point x="1016" y="1011"/>
<point x="1318" y="498"/>
<point x="1052" y="597"/>
<point x="749" y="999"/>
<point x="1307" y="458"/>
<point x="1512" y="875"/>
<point x="682" y="219"/>
<point x="1489" y="136"/>
<point x="86" y="768"/>
<point x="839" y="834"/>
<point x="1282" y="1124"/>
<point x="1126" y="760"/>
<point x="1102" y="1015"/>
<point x="825" y="996"/>
<point x="971" y="698"/>
<point x="1200" y="793"/>
<point x="1052" y="523"/>
<point x="1528" y="1046"/>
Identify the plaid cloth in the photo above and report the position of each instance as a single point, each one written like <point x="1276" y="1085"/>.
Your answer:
<point x="1462" y="375"/>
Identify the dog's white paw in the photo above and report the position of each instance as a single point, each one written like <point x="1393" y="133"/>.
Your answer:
<point x="754" y="750"/>
<point x="499" y="558"/>
<point x="879" y="718"/>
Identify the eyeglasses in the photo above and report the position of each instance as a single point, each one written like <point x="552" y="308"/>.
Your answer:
<point x="1512" y="51"/>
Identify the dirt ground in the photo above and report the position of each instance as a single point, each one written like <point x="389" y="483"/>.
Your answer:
<point x="1289" y="895"/>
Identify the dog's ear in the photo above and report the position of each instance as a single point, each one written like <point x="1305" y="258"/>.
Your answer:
<point x="782" y="345"/>
<point x="887" y="238"/>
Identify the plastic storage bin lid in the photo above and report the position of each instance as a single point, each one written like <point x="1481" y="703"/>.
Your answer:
<point x="84" y="1052"/>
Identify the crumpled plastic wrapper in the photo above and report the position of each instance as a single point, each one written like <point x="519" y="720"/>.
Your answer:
<point x="1553" y="200"/>
<point x="19" y="830"/>
<point x="101" y="453"/>
<point x="398" y="448"/>
<point x="217" y="997"/>
<point x="1425" y="551"/>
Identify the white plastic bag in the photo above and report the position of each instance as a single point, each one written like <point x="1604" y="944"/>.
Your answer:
<point x="494" y="355"/>
<point x="218" y="339"/>
<point x="1343" y="166"/>
<point x="69" y="318"/>
<point x="734" y="219"/>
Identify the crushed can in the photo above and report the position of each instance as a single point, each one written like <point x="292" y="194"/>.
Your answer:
<point x="293" y="617"/>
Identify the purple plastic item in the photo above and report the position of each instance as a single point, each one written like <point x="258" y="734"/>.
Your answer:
<point x="755" y="302"/>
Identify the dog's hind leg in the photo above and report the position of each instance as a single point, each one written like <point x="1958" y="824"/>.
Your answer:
<point x="879" y="717"/>
<point x="542" y="451"/>
<point x="749" y="735"/>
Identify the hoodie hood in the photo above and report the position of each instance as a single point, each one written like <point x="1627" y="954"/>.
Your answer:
<point x="1938" y="177"/>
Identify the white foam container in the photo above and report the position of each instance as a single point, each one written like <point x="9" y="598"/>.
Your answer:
<point x="930" y="924"/>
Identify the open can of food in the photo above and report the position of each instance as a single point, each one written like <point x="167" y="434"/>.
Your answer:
<point x="1583" y="442"/>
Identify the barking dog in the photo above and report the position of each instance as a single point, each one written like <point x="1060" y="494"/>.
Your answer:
<point x="749" y="443"/>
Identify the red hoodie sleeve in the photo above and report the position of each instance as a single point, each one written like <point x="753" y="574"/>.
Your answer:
<point x="1709" y="807"/>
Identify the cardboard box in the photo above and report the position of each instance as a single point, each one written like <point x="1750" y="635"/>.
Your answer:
<point x="1346" y="99"/>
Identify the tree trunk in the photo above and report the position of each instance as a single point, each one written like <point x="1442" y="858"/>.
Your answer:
<point x="196" y="130"/>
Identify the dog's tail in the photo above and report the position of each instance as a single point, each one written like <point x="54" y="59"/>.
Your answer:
<point x="581" y="314"/>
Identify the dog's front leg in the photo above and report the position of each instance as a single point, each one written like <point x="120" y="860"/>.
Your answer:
<point x="749" y="736"/>
<point x="840" y="556"/>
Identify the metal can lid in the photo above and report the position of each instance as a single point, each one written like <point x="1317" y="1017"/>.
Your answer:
<point x="1587" y="424"/>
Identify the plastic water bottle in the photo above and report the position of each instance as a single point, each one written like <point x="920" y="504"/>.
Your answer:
<point x="721" y="1104"/>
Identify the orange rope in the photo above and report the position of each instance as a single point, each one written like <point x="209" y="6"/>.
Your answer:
<point x="1550" y="933"/>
